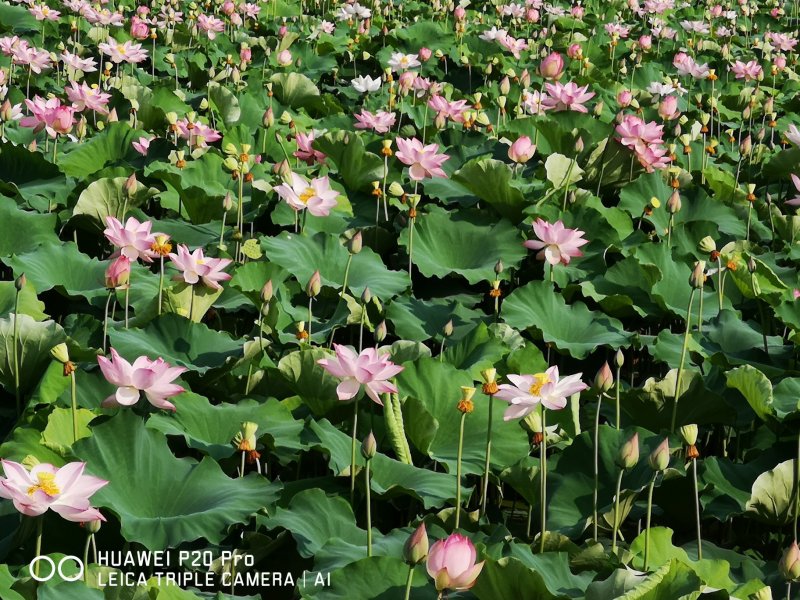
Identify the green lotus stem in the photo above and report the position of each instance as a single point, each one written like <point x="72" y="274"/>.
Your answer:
<point x="346" y="275"/>
<point x="241" y="469"/>
<point x="486" y="464"/>
<point x="127" y="303"/>
<point x="679" y="377"/>
<point x="797" y="487"/>
<point x="543" y="479"/>
<point x="105" y="320"/>
<point x="458" y="468"/>
<point x="669" y="230"/>
<point x="788" y="590"/>
<point x="353" y="453"/>
<point x="697" y="510"/>
<point x="410" y="247"/>
<point x="86" y="558"/>
<point x="617" y="390"/>
<point x="700" y="312"/>
<point x="74" y="393"/>
<point x="649" y="512"/>
<point x="596" y="465"/>
<point x="617" y="520"/>
<point x="409" y="581"/>
<point x="566" y="185"/>
<point x="191" y="304"/>
<point x="310" y="299"/>
<point x="16" y="353"/>
<point x="749" y="216"/>
<point x="369" y="510"/>
<point x="552" y="274"/>
<point x="55" y="149"/>
<point x="361" y="326"/>
<point x="719" y="284"/>
<point x="160" y="285"/>
<point x="39" y="530"/>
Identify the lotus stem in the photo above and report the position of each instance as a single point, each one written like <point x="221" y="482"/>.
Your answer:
<point x="487" y="465"/>
<point x="39" y="531"/>
<point x="353" y="453"/>
<point x="458" y="468"/>
<point x="127" y="303"/>
<point x="161" y="285"/>
<point x="310" y="299"/>
<point x="697" y="510"/>
<point x="543" y="479"/>
<point x="16" y="353"/>
<point x="346" y="275"/>
<point x="618" y="383"/>
<point x="369" y="509"/>
<point x="241" y="468"/>
<point x="409" y="581"/>
<point x="105" y="320"/>
<point x="649" y="513"/>
<point x="617" y="520"/>
<point x="679" y="377"/>
<point x="86" y="558"/>
<point x="74" y="393"/>
<point x="719" y="284"/>
<point x="596" y="465"/>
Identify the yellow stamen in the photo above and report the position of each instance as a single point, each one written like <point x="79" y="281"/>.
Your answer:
<point x="307" y="194"/>
<point x="47" y="483"/>
<point x="540" y="379"/>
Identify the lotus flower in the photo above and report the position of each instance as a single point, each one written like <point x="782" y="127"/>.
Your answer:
<point x="196" y="267"/>
<point x="119" y="52"/>
<point x="521" y="150"/>
<point x="556" y="243"/>
<point x="368" y="369"/>
<point x="304" y="150"/>
<point x="567" y="96"/>
<point x="380" y="122"/>
<point x="451" y="563"/>
<point x="423" y="160"/>
<point x="134" y="239"/>
<point x="65" y="490"/>
<point x="50" y="115"/>
<point x="153" y="377"/>
<point x="366" y="84"/>
<point x="546" y="388"/>
<point x="315" y="195"/>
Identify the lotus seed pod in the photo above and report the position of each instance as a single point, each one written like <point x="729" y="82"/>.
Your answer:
<point x="689" y="434"/>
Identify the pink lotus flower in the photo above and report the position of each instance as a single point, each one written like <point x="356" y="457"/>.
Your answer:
<point x="196" y="133"/>
<point x="42" y="12"/>
<point x="75" y="62"/>
<point x="315" y="195"/>
<point x="748" y="71"/>
<point x="526" y="392"/>
<point x="380" y="122"/>
<point x="512" y="44"/>
<point x="134" y="239"/>
<point x="422" y="160"/>
<point x="153" y="377"/>
<point x="83" y="96"/>
<point x="64" y="490"/>
<point x="196" y="267"/>
<point x="305" y="151"/>
<point x="451" y="563"/>
<point x="796" y="200"/>
<point x="284" y="58"/>
<point x="668" y="108"/>
<point x="686" y="65"/>
<point x="142" y="145"/>
<point x="556" y="243"/>
<point x="368" y="369"/>
<point x="645" y="140"/>
<point x="118" y="273"/>
<point x="522" y="150"/>
<point x="448" y="110"/>
<point x="128" y="51"/>
<point x="52" y="116"/>
<point x="552" y="66"/>
<point x="210" y="25"/>
<point x="567" y="96"/>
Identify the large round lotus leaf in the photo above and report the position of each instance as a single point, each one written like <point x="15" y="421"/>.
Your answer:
<point x="161" y="500"/>
<point x="772" y="498"/>
<point x="107" y="147"/>
<point x="24" y="231"/>
<point x="178" y="341"/>
<point x="571" y="327"/>
<point x="466" y="243"/>
<point x="109" y="197"/>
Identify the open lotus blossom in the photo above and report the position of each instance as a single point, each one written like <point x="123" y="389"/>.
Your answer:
<point x="210" y="25"/>
<point x="133" y="239"/>
<point x="796" y="200"/>
<point x="305" y="151"/>
<point x="153" y="377"/>
<point x="85" y="97"/>
<point x="380" y="122"/>
<point x="197" y="133"/>
<point x="748" y="71"/>
<point x="198" y="268"/>
<point x="403" y="62"/>
<point x="65" y="490"/>
<point x="451" y="563"/>
<point x="370" y="369"/>
<point x="120" y="52"/>
<point x="366" y="84"/>
<point x="52" y="116"/>
<point x="686" y="65"/>
<point x="75" y="62"/>
<point x="448" y="110"/>
<point x="526" y="392"/>
<point x="142" y="145"/>
<point x="42" y="12"/>
<point x="568" y="96"/>
<point x="513" y="45"/>
<point x="792" y="134"/>
<point x="645" y="139"/>
<point x="556" y="243"/>
<point x="422" y="160"/>
<point x="315" y="195"/>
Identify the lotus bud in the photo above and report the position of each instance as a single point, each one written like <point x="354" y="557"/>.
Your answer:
<point x="674" y="202"/>
<point x="579" y="145"/>
<point x="707" y="244"/>
<point x="659" y="458"/>
<point x="314" y="285"/>
<point x="112" y="116"/>
<point x="505" y="86"/>
<point x="80" y="128"/>
<point x="789" y="565"/>
<point x="751" y="265"/>
<point x="366" y="296"/>
<point x="355" y="243"/>
<point x="498" y="267"/>
<point x="628" y="456"/>
<point x="598" y="109"/>
<point x="698" y="277"/>
<point x="380" y="331"/>
<point x="369" y="447"/>
<point x="416" y="547"/>
<point x="689" y="434"/>
<point x="465" y="405"/>
<point x="501" y="101"/>
<point x="448" y="328"/>
<point x="604" y="379"/>
<point x="20" y="282"/>
<point x="522" y="150"/>
<point x="619" y="359"/>
<point x="93" y="526"/>
<point x="266" y="291"/>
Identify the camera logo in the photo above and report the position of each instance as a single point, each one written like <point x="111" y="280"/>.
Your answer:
<point x="56" y="568"/>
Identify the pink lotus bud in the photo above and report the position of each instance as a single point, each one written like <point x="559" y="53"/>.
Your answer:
<point x="142" y="10"/>
<point x="532" y="15"/>
<point x="579" y="145"/>
<point x="282" y="168"/>
<point x="451" y="563"/>
<point x="716" y="11"/>
<point x="130" y="185"/>
<point x="746" y="146"/>
<point x="416" y="547"/>
<point x="505" y="85"/>
<point x="779" y="62"/>
<point x="245" y="54"/>
<point x="575" y="51"/>
<point x="646" y="42"/>
<point x="282" y="31"/>
<point x="406" y="80"/>
<point x="577" y="11"/>
<point x="269" y="118"/>
<point x="789" y="565"/>
<point x="118" y="273"/>
<point x="521" y="150"/>
<point x="628" y="455"/>
<point x="525" y="78"/>
<point x="460" y="13"/>
<point x="314" y="284"/>
<point x="266" y="291"/>
<point x="228" y="7"/>
<point x="425" y="54"/>
<point x="624" y="98"/>
<point x="284" y="58"/>
<point x="139" y="29"/>
<point x="552" y="66"/>
<point x="604" y="379"/>
<point x="668" y="108"/>
<point x="659" y="458"/>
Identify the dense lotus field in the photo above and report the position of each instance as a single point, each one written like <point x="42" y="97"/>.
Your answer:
<point x="399" y="299"/>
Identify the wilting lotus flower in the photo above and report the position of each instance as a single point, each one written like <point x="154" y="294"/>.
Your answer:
<point x="315" y="195"/>
<point x="196" y="267"/>
<point x="423" y="160"/>
<point x="556" y="243"/>
<point x="368" y="369"/>
<point x="521" y="150"/>
<point x="64" y="490"/>
<point x="133" y="239"/>
<point x="153" y="377"/>
<point x="451" y="563"/>
<point x="546" y="388"/>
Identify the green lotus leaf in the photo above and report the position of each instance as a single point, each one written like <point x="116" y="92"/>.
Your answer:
<point x="755" y="387"/>
<point x="420" y="320"/>
<point x="29" y="303"/>
<point x="309" y="380"/>
<point x="58" y="435"/>
<point x="163" y="501"/>
<point x="376" y="577"/>
<point x="772" y="499"/>
<point x="491" y="181"/>
<point x="24" y="231"/>
<point x="34" y="341"/>
<point x="294" y="89"/>
<point x="108" y="197"/>
<point x="108" y="147"/>
<point x="356" y="167"/>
